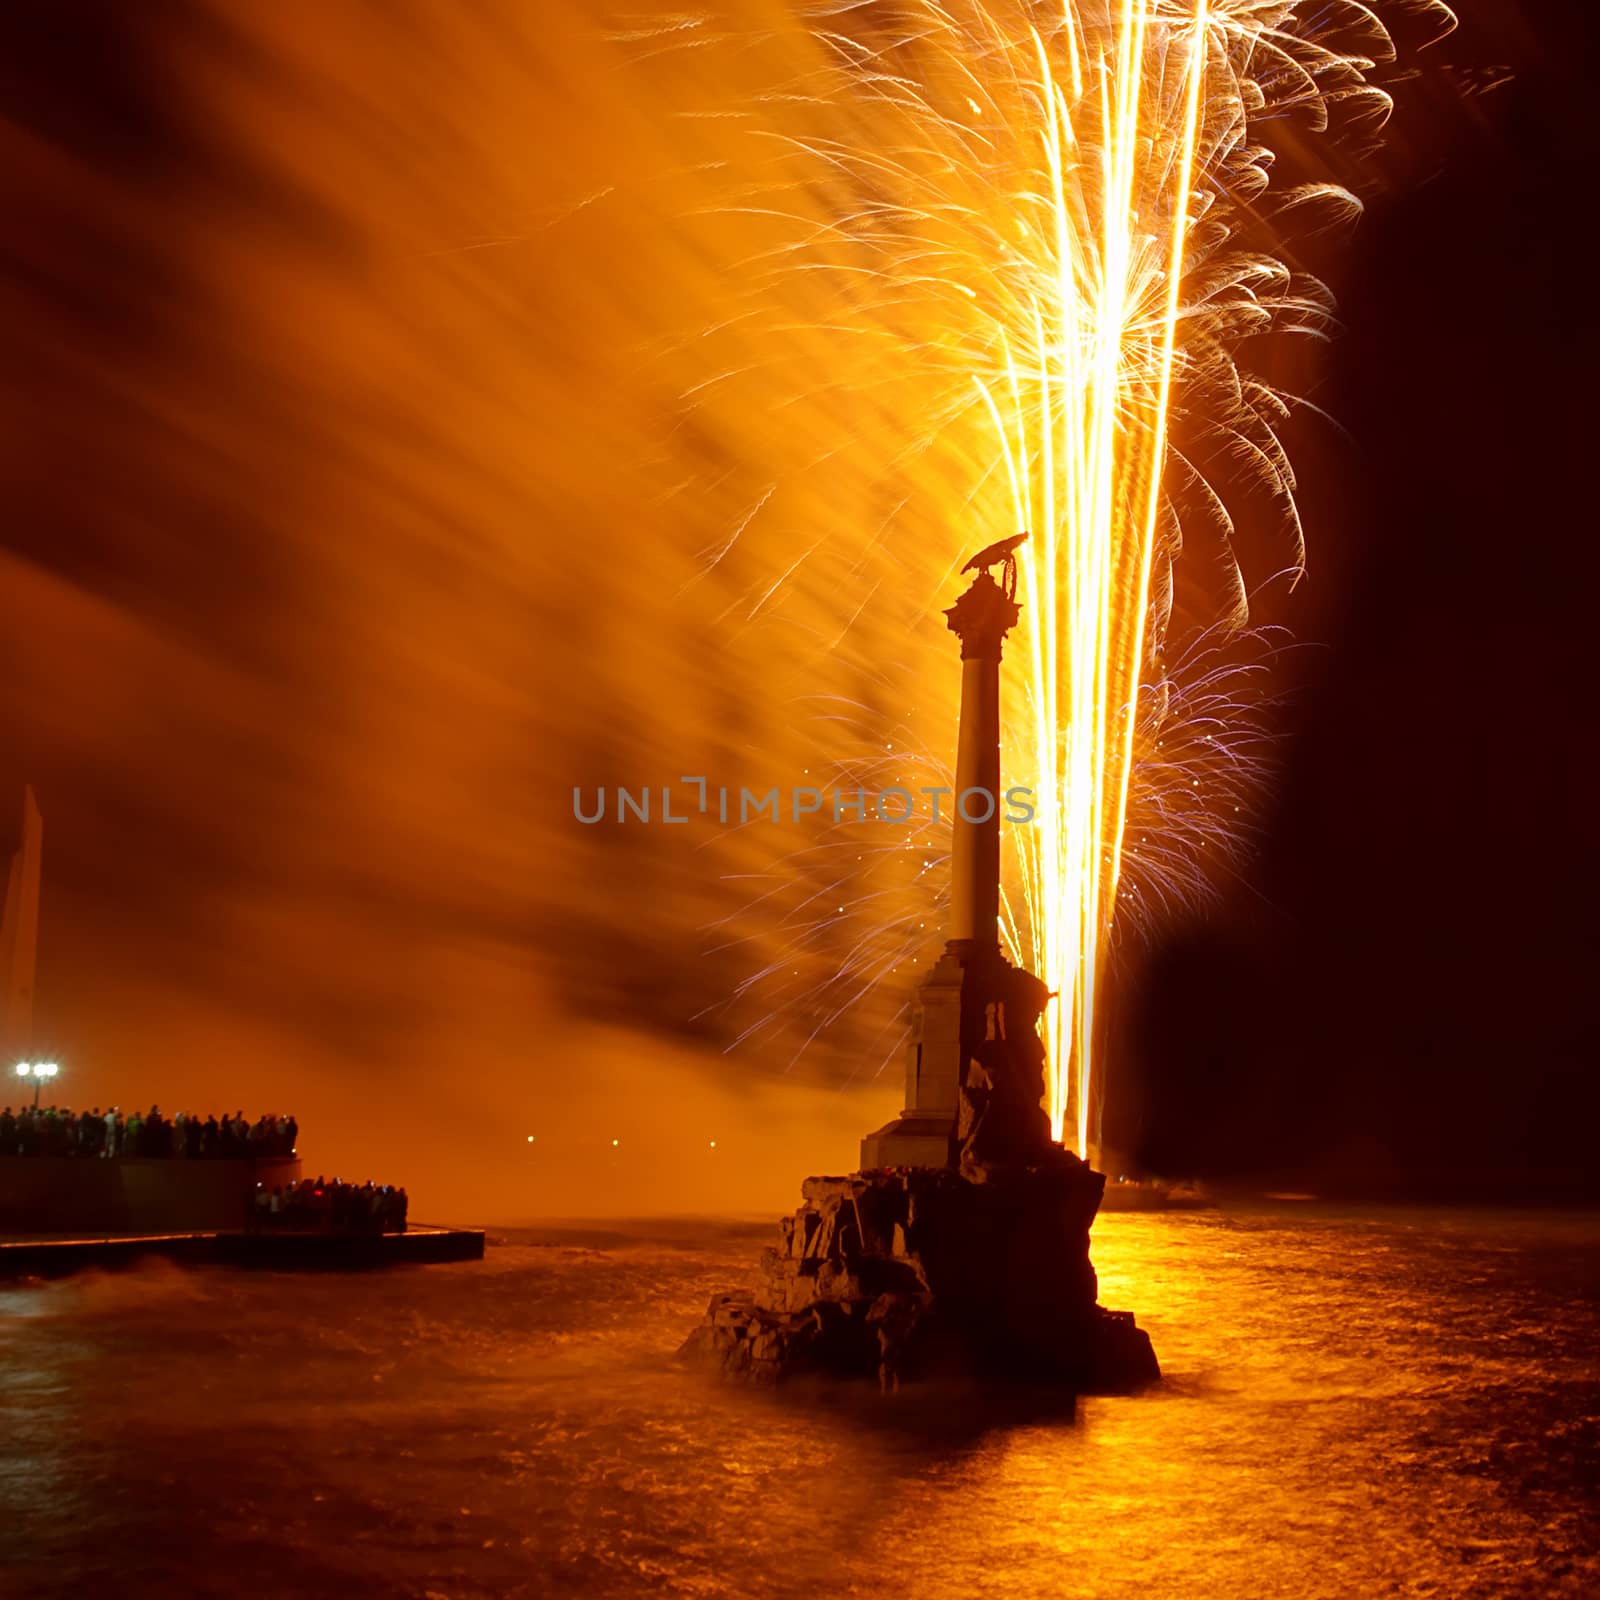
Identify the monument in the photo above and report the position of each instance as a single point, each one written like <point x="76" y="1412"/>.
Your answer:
<point x="962" y="1244"/>
<point x="19" y="936"/>
<point x="975" y="1065"/>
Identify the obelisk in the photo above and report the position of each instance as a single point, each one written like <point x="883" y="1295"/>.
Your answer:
<point x="952" y="1012"/>
<point x="19" y="936"/>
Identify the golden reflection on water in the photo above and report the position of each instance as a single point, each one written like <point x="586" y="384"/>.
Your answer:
<point x="1355" y="1404"/>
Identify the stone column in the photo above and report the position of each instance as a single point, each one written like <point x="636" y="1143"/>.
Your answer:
<point x="948" y="1013"/>
<point x="980" y="619"/>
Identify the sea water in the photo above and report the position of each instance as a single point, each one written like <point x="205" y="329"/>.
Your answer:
<point x="1356" y="1403"/>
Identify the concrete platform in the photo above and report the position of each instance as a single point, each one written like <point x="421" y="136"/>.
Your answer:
<point x="82" y="1197"/>
<point x="55" y="1255"/>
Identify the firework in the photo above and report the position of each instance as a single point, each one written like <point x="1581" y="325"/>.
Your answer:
<point x="1059" y="223"/>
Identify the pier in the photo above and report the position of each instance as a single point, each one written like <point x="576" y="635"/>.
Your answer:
<point x="57" y="1255"/>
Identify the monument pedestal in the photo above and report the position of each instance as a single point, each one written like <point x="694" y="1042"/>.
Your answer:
<point x="924" y="1134"/>
<point x="974" y="1070"/>
<point x="913" y="1139"/>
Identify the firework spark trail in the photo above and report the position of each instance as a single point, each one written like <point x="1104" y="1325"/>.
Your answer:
<point x="1100" y="270"/>
<point x="1083" y="426"/>
<point x="1052" y="218"/>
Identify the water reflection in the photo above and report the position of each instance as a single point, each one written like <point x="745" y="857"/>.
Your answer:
<point x="1354" y="1404"/>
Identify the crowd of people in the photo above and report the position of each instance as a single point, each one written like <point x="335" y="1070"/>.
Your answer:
<point x="58" y="1131"/>
<point x="330" y="1205"/>
<point x="308" y="1204"/>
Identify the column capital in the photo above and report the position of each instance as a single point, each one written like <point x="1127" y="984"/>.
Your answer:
<point x="981" y="618"/>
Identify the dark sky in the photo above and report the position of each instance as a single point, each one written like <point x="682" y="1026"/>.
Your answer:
<point x="330" y="566"/>
<point x="1407" y="986"/>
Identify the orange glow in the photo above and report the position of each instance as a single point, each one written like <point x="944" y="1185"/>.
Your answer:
<point x="505" y="407"/>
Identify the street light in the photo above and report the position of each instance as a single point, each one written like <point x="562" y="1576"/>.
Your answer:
<point x="38" y="1071"/>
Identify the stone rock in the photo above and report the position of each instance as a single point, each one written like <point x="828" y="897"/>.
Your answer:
<point x="910" y="1272"/>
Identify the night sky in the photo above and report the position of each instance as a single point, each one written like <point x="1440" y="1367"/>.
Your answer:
<point x="337" y="551"/>
<point x="1404" y="992"/>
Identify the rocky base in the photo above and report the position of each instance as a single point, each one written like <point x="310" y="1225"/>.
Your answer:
<point x="919" y="1272"/>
